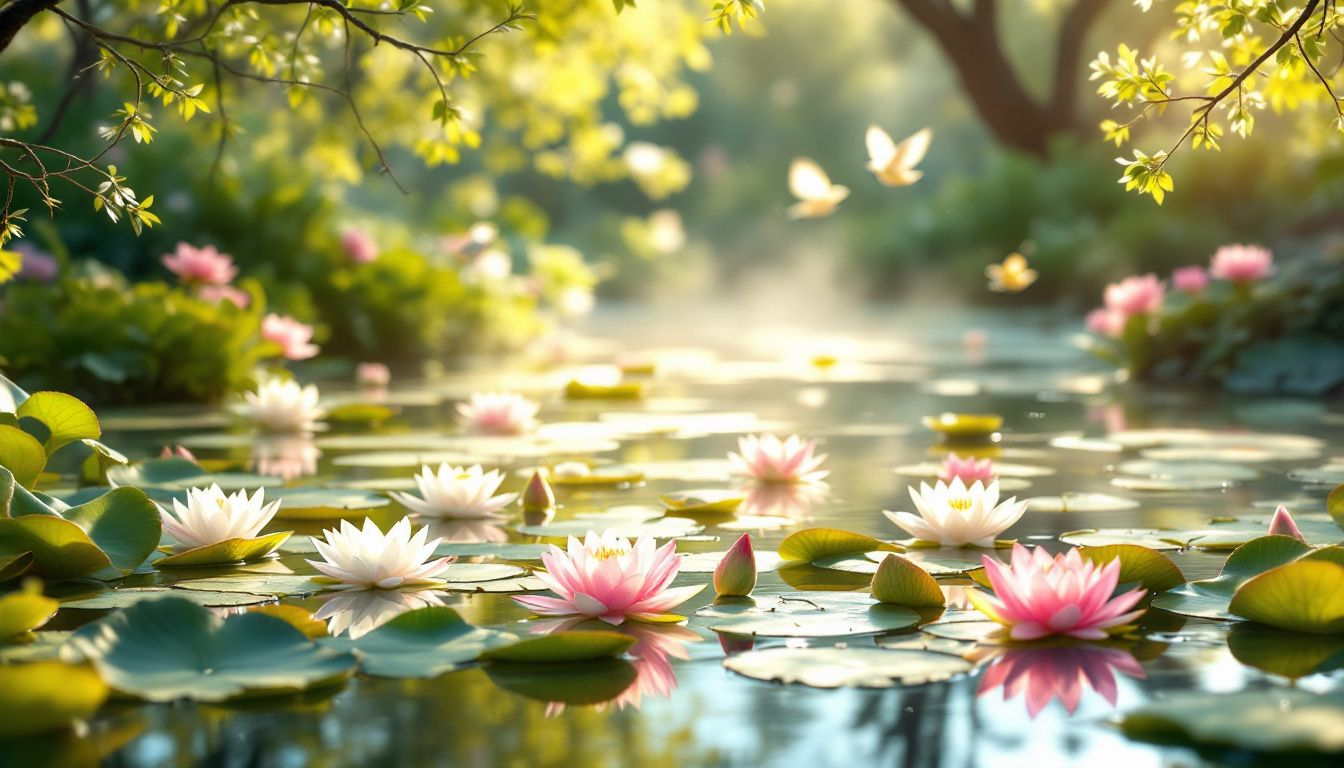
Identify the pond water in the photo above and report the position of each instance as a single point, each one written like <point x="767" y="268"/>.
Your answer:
<point x="1068" y="429"/>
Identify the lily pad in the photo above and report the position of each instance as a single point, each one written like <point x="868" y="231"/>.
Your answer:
<point x="709" y="501"/>
<point x="46" y="696"/>
<point x="273" y="585"/>
<point x="14" y="566"/>
<point x="573" y="645"/>
<point x="1080" y="502"/>
<point x="1330" y="474"/>
<point x="497" y="586"/>
<point x="847" y="667"/>
<point x="171" y="648"/>
<point x="813" y="544"/>
<point x="66" y="418"/>
<point x="224" y="552"/>
<point x="1274" y="720"/>
<point x="23" y="611"/>
<point x="1209" y="598"/>
<point x="181" y="475"/>
<point x="126" y="596"/>
<point x="1149" y="568"/>
<point x="965" y="426"/>
<point x="314" y="503"/>
<point x="629" y="522"/>
<point x="1143" y="537"/>
<point x="423" y="643"/>
<point x="1303" y="596"/>
<point x="578" y="683"/>
<point x="107" y="537"/>
<point x="807" y="614"/>
<point x="22" y="454"/>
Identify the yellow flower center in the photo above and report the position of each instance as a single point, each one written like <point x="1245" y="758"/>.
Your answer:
<point x="606" y="553"/>
<point x="961" y="505"/>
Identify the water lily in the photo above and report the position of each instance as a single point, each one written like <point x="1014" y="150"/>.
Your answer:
<point x="771" y="460"/>
<point x="282" y="405"/>
<point x="1241" y="263"/>
<point x="358" y="612"/>
<point x="1137" y="294"/>
<point x="1063" y="672"/>
<point x="373" y="375"/>
<point x="957" y="515"/>
<point x="210" y="516"/>
<point x="1038" y="595"/>
<point x="608" y="578"/>
<point x="1284" y="525"/>
<point x="463" y="492"/>
<point x="969" y="470"/>
<point x="735" y="575"/>
<point x="499" y="413"/>
<point x="359" y="246"/>
<point x="295" y="338"/>
<point x="200" y="266"/>
<point x="1106" y="322"/>
<point x="1192" y="280"/>
<point x="656" y="645"/>
<point x="538" y="496"/>
<point x="369" y="558"/>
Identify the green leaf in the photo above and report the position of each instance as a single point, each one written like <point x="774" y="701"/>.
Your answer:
<point x="60" y="549"/>
<point x="581" y="683"/>
<point x="815" y="543"/>
<point x="229" y="551"/>
<point x="124" y="523"/>
<point x="46" y="696"/>
<point x="1285" y="653"/>
<point x="168" y="649"/>
<point x="313" y="503"/>
<point x="1334" y="504"/>
<point x="423" y="643"/>
<point x="1302" y="596"/>
<point x="1209" y="598"/>
<point x="900" y="582"/>
<point x="125" y="596"/>
<point x="24" y="611"/>
<point x="847" y="667"/>
<point x="10" y="262"/>
<point x="14" y="566"/>
<point x="573" y="645"/>
<point x="1138" y="565"/>
<point x="66" y="418"/>
<point x="22" y="454"/>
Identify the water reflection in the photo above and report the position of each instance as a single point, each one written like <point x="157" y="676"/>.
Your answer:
<point x="359" y="613"/>
<point x="1058" y="671"/>
<point x="288" y="457"/>
<point x="794" y="501"/>
<point x="656" y="645"/>
<point x="468" y="531"/>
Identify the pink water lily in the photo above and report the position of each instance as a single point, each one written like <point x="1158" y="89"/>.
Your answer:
<point x="1192" y="280"/>
<point x="295" y="338"/>
<point x="1105" y="322"/>
<point x="200" y="266"/>
<point x="607" y="578"/>
<point x="1045" y="673"/>
<point x="1284" y="525"/>
<point x="359" y="246"/>
<point x="1135" y="295"/>
<point x="770" y="460"/>
<point x="1242" y="263"/>
<point x="969" y="469"/>
<point x="1038" y="595"/>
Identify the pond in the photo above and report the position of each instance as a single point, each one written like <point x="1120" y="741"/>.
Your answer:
<point x="1090" y="453"/>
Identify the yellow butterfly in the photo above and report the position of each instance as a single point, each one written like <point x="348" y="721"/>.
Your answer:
<point x="894" y="164"/>
<point x="817" y="196"/>
<point x="1012" y="276"/>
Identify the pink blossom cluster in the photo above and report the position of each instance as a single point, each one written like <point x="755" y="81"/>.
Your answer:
<point x="1137" y="295"/>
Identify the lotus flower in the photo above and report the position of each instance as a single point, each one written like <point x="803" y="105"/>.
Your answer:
<point x="1242" y="263"/>
<point x="200" y="266"/>
<point x="1192" y="280"/>
<point x="369" y="558"/>
<point x="605" y="577"/>
<point x="538" y="496"/>
<point x="1037" y="596"/>
<point x="209" y="517"/>
<point x="957" y="515"/>
<point x="771" y="460"/>
<point x="295" y="338"/>
<point x="969" y="470"/>
<point x="735" y="575"/>
<point x="1058" y="672"/>
<point x="358" y="612"/>
<point x="359" y="246"/>
<point x="1138" y="294"/>
<point x="1105" y="322"/>
<point x="463" y="492"/>
<point x="282" y="406"/>
<point x="499" y="413"/>
<point x="217" y="293"/>
<point x="1283" y="525"/>
<point x="373" y="375"/>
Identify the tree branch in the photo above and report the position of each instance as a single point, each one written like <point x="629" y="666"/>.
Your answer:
<point x="16" y="14"/>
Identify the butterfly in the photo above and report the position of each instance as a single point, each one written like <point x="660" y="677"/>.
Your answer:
<point x="894" y="164"/>
<point x="817" y="196"/>
<point x="1012" y="276"/>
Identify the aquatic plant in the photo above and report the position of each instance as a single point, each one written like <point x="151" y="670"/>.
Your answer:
<point x="367" y="557"/>
<point x="958" y="515"/>
<point x="457" y="492"/>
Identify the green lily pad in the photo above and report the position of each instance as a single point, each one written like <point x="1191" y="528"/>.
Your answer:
<point x="847" y="667"/>
<point x="273" y="585"/>
<point x="1334" y="505"/>
<point x="627" y="390"/>
<point x="107" y="537"/>
<point x="23" y="611"/>
<point x="324" y="503"/>
<point x="630" y="522"/>
<point x="180" y="475"/>
<point x="1330" y="474"/>
<point x="1230" y="534"/>
<point x="812" y="544"/>
<point x="46" y="696"/>
<point x="120" y="598"/>
<point x="1150" y="538"/>
<point x="901" y="582"/>
<point x="580" y="683"/>
<point x="1306" y="595"/>
<point x="66" y="418"/>
<point x="171" y="648"/>
<point x="1209" y="598"/>
<point x="1285" y="653"/>
<point x="709" y="501"/>
<point x="14" y="566"/>
<point x="223" y="552"/>
<point x="1274" y="720"/>
<point x="1138" y="565"/>
<point x="572" y="645"/>
<point x="423" y="643"/>
<point x="22" y="454"/>
<point x="807" y="614"/>
<point x="497" y="586"/>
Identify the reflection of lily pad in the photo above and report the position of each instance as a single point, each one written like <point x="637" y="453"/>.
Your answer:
<point x="847" y="667"/>
<point x="46" y="696"/>
<point x="224" y="552"/>
<point x="581" y="683"/>
<point x="168" y="649"/>
<point x="573" y="645"/>
<point x="1289" y="654"/>
<point x="1274" y="720"/>
<point x="1209" y="598"/>
<point x="807" y="614"/>
<point x="425" y="642"/>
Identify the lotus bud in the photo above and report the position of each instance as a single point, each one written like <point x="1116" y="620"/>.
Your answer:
<point x="538" y="497"/>
<point x="176" y="452"/>
<point x="736" y="574"/>
<point x="1283" y="525"/>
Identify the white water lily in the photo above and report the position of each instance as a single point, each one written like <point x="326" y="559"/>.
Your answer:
<point x="459" y="492"/>
<point x="282" y="406"/>
<point x="210" y="516"/>
<point x="358" y="612"/>
<point x="369" y="558"/>
<point x="956" y="515"/>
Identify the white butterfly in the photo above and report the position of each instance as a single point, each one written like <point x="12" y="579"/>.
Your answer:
<point x="817" y="196"/>
<point x="894" y="164"/>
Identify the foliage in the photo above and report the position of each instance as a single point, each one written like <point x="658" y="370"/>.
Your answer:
<point x="94" y="334"/>
<point x="1278" y="335"/>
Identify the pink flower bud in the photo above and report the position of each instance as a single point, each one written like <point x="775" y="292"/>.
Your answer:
<point x="176" y="452"/>
<point x="736" y="574"/>
<point x="1283" y="525"/>
<point x="537" y="497"/>
<point x="373" y="375"/>
<point x="1192" y="280"/>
